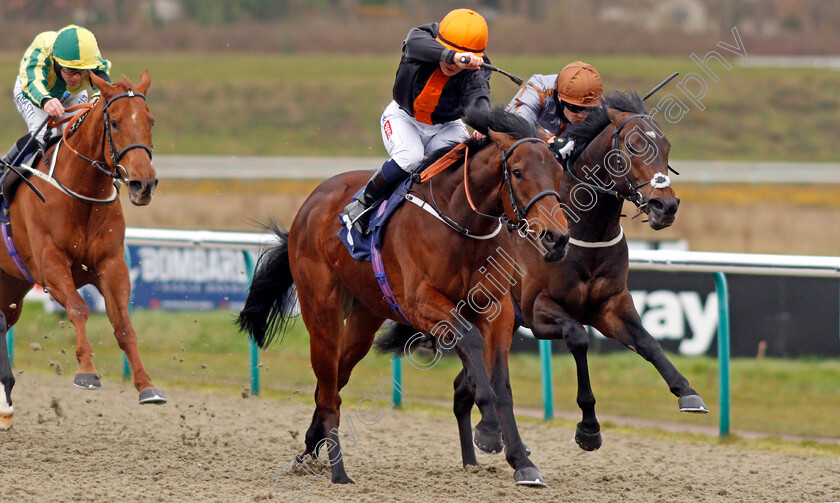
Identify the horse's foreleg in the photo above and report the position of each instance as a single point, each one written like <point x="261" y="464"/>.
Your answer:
<point x="58" y="280"/>
<point x="7" y="380"/>
<point x="463" y="402"/>
<point x="552" y="322"/>
<point x="526" y="473"/>
<point x="435" y="314"/>
<point x="115" y="287"/>
<point x="470" y="347"/>
<point x="620" y="320"/>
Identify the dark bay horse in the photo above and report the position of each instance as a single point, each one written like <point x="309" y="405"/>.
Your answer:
<point x="76" y="237"/>
<point x="439" y="277"/>
<point x="621" y="155"/>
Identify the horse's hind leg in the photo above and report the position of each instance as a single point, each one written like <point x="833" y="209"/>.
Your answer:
<point x="7" y="380"/>
<point x="621" y="321"/>
<point x="12" y="291"/>
<point x="359" y="330"/>
<point x="462" y="404"/>
<point x="325" y="353"/>
<point x="115" y="287"/>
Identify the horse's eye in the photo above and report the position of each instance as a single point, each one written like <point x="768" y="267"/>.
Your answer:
<point x="113" y="123"/>
<point x="517" y="173"/>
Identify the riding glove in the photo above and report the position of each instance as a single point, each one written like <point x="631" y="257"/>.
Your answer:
<point x="561" y="148"/>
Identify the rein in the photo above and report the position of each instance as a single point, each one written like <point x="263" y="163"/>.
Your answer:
<point x="52" y="180"/>
<point x="521" y="224"/>
<point x="119" y="173"/>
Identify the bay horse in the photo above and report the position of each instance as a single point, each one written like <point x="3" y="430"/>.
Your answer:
<point x="76" y="236"/>
<point x="621" y="155"/>
<point x="437" y="276"/>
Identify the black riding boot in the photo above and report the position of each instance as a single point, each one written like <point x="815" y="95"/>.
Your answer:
<point x="380" y="185"/>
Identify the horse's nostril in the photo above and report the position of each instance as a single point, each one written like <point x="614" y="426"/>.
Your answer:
<point x="135" y="185"/>
<point x="664" y="206"/>
<point x="553" y="240"/>
<point x="548" y="237"/>
<point x="656" y="205"/>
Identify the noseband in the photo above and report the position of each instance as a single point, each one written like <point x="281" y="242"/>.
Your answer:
<point x="521" y="224"/>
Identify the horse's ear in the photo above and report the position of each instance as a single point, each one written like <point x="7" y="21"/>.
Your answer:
<point x="613" y="114"/>
<point x="103" y="86"/>
<point x="145" y="82"/>
<point x="502" y="140"/>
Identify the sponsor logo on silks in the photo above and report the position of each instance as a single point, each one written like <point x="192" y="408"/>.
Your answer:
<point x="387" y="128"/>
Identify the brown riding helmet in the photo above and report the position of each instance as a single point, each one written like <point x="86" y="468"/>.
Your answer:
<point x="578" y="83"/>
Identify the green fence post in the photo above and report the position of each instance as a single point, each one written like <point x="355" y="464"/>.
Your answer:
<point x="545" y="364"/>
<point x="126" y="374"/>
<point x="396" y="368"/>
<point x="255" y="352"/>
<point x="723" y="350"/>
<point x="10" y="345"/>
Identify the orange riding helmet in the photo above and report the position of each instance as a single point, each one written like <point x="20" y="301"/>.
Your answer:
<point x="463" y="30"/>
<point x="579" y="84"/>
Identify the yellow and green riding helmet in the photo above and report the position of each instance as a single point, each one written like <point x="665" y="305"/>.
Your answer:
<point x="75" y="47"/>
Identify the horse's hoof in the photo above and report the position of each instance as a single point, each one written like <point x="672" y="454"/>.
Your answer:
<point x="7" y="418"/>
<point x="342" y="480"/>
<point x="587" y="441"/>
<point x="489" y="444"/>
<point x="152" y="395"/>
<point x="87" y="380"/>
<point x="529" y="477"/>
<point x="694" y="404"/>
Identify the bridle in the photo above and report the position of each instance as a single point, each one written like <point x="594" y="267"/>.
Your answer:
<point x="119" y="172"/>
<point x="641" y="201"/>
<point x="521" y="224"/>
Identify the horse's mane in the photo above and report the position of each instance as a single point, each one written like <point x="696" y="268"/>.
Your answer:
<point x="484" y="119"/>
<point x="597" y="119"/>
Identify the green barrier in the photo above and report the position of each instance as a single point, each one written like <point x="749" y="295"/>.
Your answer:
<point x="10" y="345"/>
<point x="254" y="350"/>
<point x="396" y="368"/>
<point x="126" y="374"/>
<point x="723" y="350"/>
<point x="545" y="374"/>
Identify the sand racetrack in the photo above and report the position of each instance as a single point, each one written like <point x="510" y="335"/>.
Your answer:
<point x="74" y="445"/>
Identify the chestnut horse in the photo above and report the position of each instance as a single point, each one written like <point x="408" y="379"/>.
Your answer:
<point x="76" y="237"/>
<point x="436" y="276"/>
<point x="621" y="155"/>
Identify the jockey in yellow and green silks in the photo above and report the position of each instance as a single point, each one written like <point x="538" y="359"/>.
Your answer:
<point x="56" y="62"/>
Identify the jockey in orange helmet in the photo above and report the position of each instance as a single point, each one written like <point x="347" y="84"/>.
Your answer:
<point x="439" y="76"/>
<point x="559" y="102"/>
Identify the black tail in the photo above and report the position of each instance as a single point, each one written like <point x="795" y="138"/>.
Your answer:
<point x="395" y="336"/>
<point x="271" y="299"/>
